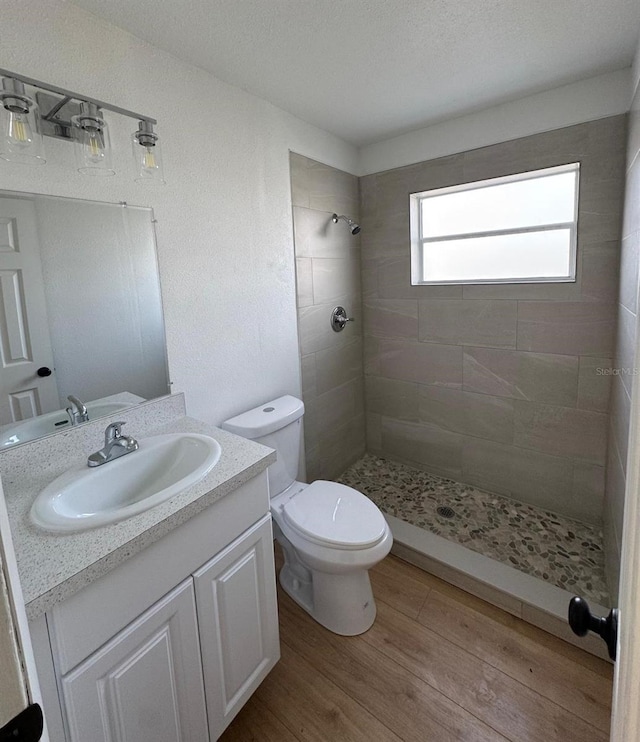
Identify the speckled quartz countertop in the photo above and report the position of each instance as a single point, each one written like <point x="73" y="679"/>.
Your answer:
<point x="53" y="566"/>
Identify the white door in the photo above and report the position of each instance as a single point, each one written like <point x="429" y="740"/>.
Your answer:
<point x="238" y="617"/>
<point x="145" y="685"/>
<point x="625" y="722"/>
<point x="25" y="345"/>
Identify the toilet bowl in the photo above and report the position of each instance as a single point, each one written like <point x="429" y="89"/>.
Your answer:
<point x="331" y="534"/>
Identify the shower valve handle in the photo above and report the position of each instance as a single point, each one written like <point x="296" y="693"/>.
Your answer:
<point x="582" y="621"/>
<point x="339" y="319"/>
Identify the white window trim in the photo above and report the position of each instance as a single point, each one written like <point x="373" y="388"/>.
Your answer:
<point x="418" y="242"/>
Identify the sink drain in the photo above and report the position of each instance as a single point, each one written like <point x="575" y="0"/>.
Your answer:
<point x="445" y="511"/>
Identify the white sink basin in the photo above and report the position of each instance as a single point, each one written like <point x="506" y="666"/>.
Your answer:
<point x="162" y="467"/>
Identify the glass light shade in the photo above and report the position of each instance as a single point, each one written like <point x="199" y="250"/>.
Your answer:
<point x="92" y="143"/>
<point x="147" y="156"/>
<point x="21" y="137"/>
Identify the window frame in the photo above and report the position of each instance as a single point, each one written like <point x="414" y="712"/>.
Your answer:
<point x="418" y="242"/>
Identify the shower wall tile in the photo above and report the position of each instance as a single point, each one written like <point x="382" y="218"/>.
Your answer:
<point x="573" y="433"/>
<point x="336" y="366"/>
<point x="314" y="329"/>
<point x="336" y="280"/>
<point x="309" y="376"/>
<point x="316" y="236"/>
<point x="620" y="419"/>
<point x="328" y="267"/>
<point x="549" y="378"/>
<point x="477" y="415"/>
<point x="374" y="432"/>
<point x="629" y="272"/>
<point x="484" y="323"/>
<point x="510" y="368"/>
<point x="625" y="356"/>
<point x="588" y="486"/>
<point x="395" y="282"/>
<point x="392" y="317"/>
<point x="425" y="363"/>
<point x="430" y="446"/>
<point x="574" y="328"/>
<point x="304" y="282"/>
<point x="600" y="268"/>
<point x="594" y="384"/>
<point x="392" y="398"/>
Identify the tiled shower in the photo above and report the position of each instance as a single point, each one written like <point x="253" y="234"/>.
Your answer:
<point x="492" y="400"/>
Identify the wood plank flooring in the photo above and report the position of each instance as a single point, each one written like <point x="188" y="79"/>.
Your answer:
<point x="438" y="665"/>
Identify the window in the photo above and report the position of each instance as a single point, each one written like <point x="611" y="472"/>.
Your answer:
<point x="517" y="229"/>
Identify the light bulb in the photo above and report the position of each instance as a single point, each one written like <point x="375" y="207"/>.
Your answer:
<point x="94" y="147"/>
<point x="19" y="130"/>
<point x="149" y="159"/>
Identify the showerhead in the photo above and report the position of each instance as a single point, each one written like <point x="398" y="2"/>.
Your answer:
<point x="353" y="227"/>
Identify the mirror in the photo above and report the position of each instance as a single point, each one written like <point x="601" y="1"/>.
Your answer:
<point x="80" y="312"/>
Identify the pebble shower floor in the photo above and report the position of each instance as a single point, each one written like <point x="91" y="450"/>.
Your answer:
<point x="553" y="548"/>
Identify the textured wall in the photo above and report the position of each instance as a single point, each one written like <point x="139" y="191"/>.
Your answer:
<point x="225" y="238"/>
<point x="625" y="356"/>
<point x="497" y="385"/>
<point x="328" y="274"/>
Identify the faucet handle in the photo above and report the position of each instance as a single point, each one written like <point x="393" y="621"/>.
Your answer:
<point x="113" y="431"/>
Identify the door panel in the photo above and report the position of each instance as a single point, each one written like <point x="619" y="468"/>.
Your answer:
<point x="145" y="685"/>
<point x="25" y="344"/>
<point x="237" y="613"/>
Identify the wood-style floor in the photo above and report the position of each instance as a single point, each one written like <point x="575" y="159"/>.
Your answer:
<point x="438" y="664"/>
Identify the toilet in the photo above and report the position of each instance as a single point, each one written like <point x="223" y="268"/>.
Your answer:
<point x="331" y="535"/>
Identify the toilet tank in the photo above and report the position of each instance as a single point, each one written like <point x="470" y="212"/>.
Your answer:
<point x="277" y="424"/>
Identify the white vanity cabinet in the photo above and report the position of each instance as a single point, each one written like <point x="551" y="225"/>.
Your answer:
<point x="146" y="684"/>
<point x="169" y="645"/>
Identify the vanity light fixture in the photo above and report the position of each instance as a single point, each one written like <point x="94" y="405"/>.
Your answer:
<point x="147" y="155"/>
<point x="21" y="135"/>
<point x="91" y="141"/>
<point x="70" y="116"/>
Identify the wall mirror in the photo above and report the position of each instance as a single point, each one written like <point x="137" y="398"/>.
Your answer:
<point x="80" y="312"/>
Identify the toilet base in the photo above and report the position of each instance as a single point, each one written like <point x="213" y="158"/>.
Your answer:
<point x="342" y="603"/>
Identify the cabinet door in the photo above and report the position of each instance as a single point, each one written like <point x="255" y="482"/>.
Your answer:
<point x="145" y="685"/>
<point x="238" y="618"/>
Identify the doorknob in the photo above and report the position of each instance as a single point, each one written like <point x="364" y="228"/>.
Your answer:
<point x="43" y="371"/>
<point x="582" y="621"/>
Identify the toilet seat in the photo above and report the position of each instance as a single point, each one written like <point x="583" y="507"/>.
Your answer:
<point x="335" y="516"/>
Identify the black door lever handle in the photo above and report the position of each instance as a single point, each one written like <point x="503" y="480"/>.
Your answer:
<point x="582" y="621"/>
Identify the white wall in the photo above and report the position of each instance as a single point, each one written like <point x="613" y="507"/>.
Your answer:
<point x="587" y="100"/>
<point x="224" y="227"/>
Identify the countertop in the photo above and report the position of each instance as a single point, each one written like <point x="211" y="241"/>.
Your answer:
<point x="52" y="566"/>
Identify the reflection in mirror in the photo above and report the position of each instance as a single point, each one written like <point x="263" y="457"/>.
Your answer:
<point x="80" y="313"/>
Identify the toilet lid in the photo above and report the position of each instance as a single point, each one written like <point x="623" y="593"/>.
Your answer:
<point x="336" y="515"/>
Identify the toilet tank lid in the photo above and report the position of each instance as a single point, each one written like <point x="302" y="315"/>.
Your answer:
<point x="266" y="418"/>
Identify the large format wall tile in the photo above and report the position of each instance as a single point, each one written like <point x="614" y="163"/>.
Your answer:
<point x="485" y="323"/>
<point x="426" y="445"/>
<point x="391" y="317"/>
<point x="328" y="268"/>
<point x="579" y="434"/>
<point x="573" y="328"/>
<point x="478" y="415"/>
<point x="426" y="363"/>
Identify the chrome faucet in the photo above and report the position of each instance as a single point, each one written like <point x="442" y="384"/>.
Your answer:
<point x="77" y="411"/>
<point x="115" y="445"/>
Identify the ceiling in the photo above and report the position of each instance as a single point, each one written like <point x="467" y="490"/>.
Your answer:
<point x="367" y="70"/>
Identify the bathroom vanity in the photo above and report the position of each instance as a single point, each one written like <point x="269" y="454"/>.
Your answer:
<point x="160" y="627"/>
